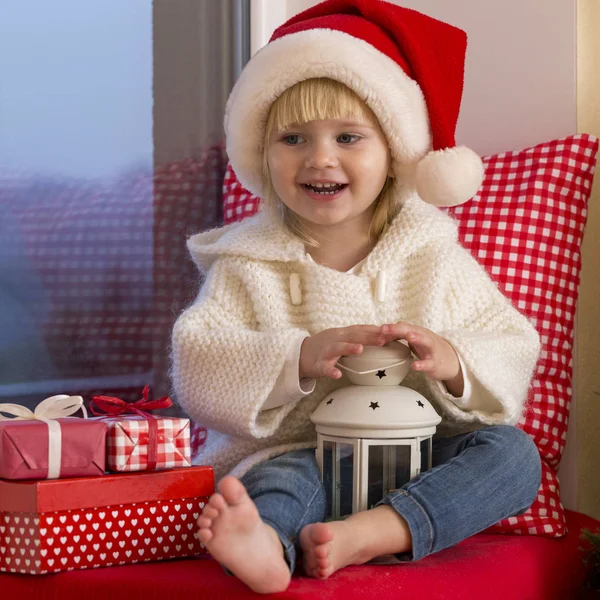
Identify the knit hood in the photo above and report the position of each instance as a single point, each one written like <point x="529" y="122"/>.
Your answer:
<point x="261" y="238"/>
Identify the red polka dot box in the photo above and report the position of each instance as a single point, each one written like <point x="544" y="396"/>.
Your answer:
<point x="83" y="523"/>
<point x="525" y="226"/>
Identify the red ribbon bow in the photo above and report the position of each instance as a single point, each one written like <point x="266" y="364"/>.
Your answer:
<point x="113" y="407"/>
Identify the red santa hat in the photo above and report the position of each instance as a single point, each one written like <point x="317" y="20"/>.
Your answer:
<point x="407" y="67"/>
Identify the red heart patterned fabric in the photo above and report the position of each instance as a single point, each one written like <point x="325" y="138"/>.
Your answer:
<point x="525" y="226"/>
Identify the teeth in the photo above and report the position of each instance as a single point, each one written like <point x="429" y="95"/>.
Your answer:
<point x="325" y="188"/>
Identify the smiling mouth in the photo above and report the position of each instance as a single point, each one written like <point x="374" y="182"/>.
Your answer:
<point x="327" y="189"/>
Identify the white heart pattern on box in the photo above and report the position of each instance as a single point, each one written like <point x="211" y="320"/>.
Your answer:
<point x="99" y="537"/>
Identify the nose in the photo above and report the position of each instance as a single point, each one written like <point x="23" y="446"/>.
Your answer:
<point x="321" y="155"/>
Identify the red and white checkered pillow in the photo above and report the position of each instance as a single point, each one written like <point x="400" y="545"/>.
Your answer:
<point x="525" y="226"/>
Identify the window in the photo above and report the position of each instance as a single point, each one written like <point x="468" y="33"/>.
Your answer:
<point x="111" y="155"/>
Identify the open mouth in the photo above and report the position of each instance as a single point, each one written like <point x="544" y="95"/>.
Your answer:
<point x="325" y="189"/>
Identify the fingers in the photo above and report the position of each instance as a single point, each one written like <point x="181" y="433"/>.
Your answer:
<point x="368" y="335"/>
<point x="401" y="330"/>
<point x="331" y="354"/>
<point x="422" y="341"/>
<point x="436" y="357"/>
<point x="327" y="368"/>
<point x="361" y="328"/>
<point x="425" y="366"/>
<point x="338" y="349"/>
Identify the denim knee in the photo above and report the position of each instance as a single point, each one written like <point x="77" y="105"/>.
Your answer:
<point x="512" y="443"/>
<point x="488" y="475"/>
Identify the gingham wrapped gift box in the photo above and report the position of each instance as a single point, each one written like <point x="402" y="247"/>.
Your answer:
<point x="60" y="525"/>
<point x="139" y="441"/>
<point x="136" y="443"/>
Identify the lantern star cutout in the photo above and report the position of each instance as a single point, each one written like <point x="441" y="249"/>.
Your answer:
<point x="420" y="404"/>
<point x="380" y="374"/>
<point x="374" y="405"/>
<point x="330" y="401"/>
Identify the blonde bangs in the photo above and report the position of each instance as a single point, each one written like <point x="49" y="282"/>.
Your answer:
<point x="316" y="100"/>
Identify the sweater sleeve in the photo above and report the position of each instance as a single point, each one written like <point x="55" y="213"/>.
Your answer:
<point x="223" y="367"/>
<point x="289" y="386"/>
<point x="498" y="345"/>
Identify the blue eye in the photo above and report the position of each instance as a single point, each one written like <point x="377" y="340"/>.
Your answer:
<point x="347" y="138"/>
<point x="293" y="139"/>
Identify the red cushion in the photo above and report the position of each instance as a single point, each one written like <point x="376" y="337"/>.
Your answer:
<point x="494" y="567"/>
<point x="525" y="226"/>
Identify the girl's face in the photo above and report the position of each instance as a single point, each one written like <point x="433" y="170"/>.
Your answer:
<point x="330" y="172"/>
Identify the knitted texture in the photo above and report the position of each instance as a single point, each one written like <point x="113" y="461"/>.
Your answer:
<point x="230" y="345"/>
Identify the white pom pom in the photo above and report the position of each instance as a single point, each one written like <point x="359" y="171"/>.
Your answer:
<point x="449" y="177"/>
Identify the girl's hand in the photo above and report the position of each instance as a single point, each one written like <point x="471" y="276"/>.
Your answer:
<point x="320" y="352"/>
<point x="437" y="358"/>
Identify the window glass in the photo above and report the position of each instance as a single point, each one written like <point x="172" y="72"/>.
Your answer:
<point x="111" y="155"/>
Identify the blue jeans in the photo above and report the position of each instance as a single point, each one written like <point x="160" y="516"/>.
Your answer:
<point x="477" y="479"/>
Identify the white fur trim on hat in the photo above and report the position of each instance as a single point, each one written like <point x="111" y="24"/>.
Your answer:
<point x="395" y="98"/>
<point x="449" y="177"/>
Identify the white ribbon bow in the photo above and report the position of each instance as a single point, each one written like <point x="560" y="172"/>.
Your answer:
<point x="48" y="410"/>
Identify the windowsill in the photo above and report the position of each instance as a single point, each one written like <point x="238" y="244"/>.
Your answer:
<point x="64" y="386"/>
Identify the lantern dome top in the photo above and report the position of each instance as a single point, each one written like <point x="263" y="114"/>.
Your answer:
<point x="378" y="365"/>
<point x="375" y="412"/>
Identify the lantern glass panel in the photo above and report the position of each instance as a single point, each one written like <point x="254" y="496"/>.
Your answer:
<point x="388" y="469"/>
<point x="425" y="455"/>
<point x="401" y="467"/>
<point x="338" y="478"/>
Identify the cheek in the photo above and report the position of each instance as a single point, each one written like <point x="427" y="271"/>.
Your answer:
<point x="375" y="168"/>
<point x="278" y="168"/>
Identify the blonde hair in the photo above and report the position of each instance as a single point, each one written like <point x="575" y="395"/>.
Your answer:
<point x="313" y="100"/>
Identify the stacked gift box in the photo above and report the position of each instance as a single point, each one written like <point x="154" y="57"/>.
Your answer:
<point x="113" y="489"/>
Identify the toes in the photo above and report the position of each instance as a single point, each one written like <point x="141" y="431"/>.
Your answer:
<point x="232" y="489"/>
<point x="204" y="522"/>
<point x="205" y="535"/>
<point x="324" y="573"/>
<point x="210" y="512"/>
<point x="216" y="503"/>
<point x="321" y="534"/>
<point x="316" y="541"/>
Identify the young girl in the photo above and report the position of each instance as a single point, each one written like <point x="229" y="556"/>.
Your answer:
<point x="344" y="125"/>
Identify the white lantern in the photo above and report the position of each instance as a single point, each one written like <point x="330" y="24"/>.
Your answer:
<point x="375" y="435"/>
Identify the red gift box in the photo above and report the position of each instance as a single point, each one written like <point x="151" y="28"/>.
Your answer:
<point x="25" y="454"/>
<point x="59" y="525"/>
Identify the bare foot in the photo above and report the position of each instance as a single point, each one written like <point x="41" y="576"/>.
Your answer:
<point x="232" y="530"/>
<point x="363" y="536"/>
<point x="324" y="551"/>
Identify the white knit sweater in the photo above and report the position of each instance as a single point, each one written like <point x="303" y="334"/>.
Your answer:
<point x="230" y="346"/>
